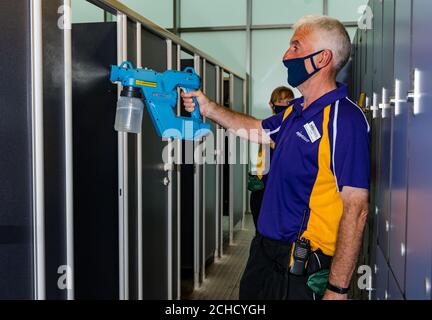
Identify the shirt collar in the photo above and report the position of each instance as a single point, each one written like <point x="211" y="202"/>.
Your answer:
<point x="317" y="106"/>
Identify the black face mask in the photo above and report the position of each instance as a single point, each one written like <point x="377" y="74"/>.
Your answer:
<point x="277" y="109"/>
<point x="297" y="72"/>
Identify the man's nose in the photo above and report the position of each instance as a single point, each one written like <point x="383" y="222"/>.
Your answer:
<point x="287" y="55"/>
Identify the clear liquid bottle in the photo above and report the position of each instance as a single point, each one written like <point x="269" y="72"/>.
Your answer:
<point x="130" y="108"/>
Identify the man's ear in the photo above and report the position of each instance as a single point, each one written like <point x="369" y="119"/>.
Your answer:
<point x="324" y="59"/>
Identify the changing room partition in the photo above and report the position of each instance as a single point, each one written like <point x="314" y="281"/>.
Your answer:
<point x="95" y="162"/>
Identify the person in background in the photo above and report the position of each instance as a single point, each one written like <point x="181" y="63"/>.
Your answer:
<point x="279" y="101"/>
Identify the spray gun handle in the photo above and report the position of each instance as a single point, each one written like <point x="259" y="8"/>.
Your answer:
<point x="196" y="114"/>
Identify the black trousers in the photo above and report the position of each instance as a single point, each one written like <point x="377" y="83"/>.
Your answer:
<point x="266" y="276"/>
<point x="255" y="205"/>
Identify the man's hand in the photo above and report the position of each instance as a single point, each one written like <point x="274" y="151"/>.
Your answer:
<point x="202" y="99"/>
<point x="330" y="295"/>
<point x="242" y="125"/>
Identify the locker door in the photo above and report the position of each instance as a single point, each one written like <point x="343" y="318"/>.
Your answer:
<point x="381" y="276"/>
<point x="369" y="82"/>
<point x="418" y="273"/>
<point x="386" y="119"/>
<point x="393" y="292"/>
<point x="369" y="63"/>
<point x="399" y="148"/>
<point x="382" y="163"/>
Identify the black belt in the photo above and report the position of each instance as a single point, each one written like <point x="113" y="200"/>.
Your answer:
<point x="318" y="261"/>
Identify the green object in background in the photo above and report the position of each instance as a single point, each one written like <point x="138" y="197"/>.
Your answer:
<point x="317" y="282"/>
<point x="255" y="183"/>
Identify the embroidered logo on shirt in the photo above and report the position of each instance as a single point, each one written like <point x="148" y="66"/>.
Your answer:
<point x="300" y="135"/>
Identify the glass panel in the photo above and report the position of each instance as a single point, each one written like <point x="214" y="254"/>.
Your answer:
<point x="283" y="11"/>
<point x="227" y="47"/>
<point x="345" y="10"/>
<point x="268" y="72"/>
<point x="160" y="12"/>
<point x="210" y="13"/>
<point x="83" y="12"/>
<point x="352" y="32"/>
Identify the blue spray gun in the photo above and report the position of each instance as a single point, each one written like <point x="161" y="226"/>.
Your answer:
<point x="160" y="96"/>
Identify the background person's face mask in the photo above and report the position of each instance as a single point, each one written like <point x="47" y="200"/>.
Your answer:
<point x="277" y="109"/>
<point x="297" y="72"/>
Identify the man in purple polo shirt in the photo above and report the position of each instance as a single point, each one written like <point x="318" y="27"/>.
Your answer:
<point x="315" y="204"/>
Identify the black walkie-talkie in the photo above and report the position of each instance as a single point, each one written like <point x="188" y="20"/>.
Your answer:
<point x="302" y="249"/>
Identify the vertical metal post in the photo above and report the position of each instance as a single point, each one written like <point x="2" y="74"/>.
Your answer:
<point x="203" y="248"/>
<point x="176" y="16"/>
<point x="179" y="192"/>
<point x="197" y="197"/>
<point x="38" y="151"/>
<point x="139" y="184"/>
<point x="245" y="167"/>
<point x="218" y="168"/>
<point x="325" y="7"/>
<point x="69" y="147"/>
<point x="123" y="170"/>
<point x="248" y="84"/>
<point x="168" y="168"/>
<point x="222" y="158"/>
<point x="231" y="170"/>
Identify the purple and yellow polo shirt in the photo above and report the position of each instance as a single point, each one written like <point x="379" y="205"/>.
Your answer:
<point x="318" y="151"/>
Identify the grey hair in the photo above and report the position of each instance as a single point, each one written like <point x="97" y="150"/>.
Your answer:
<point x="332" y="34"/>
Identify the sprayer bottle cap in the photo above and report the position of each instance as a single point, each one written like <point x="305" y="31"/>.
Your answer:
<point x="131" y="92"/>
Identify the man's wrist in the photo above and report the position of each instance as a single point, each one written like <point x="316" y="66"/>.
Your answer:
<point x="210" y="109"/>
<point x="337" y="289"/>
<point x="330" y="295"/>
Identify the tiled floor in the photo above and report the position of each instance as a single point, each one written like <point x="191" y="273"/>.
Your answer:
<point x="223" y="277"/>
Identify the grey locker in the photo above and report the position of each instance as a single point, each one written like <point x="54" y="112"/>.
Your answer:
<point x="359" y="56"/>
<point x="374" y="134"/>
<point x="418" y="263"/>
<point x="381" y="273"/>
<point x="393" y="291"/>
<point x="387" y="115"/>
<point x="354" y="65"/>
<point x="386" y="123"/>
<point x="16" y="200"/>
<point x="363" y="61"/>
<point x="400" y="148"/>
<point x="382" y="159"/>
<point x="368" y="84"/>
